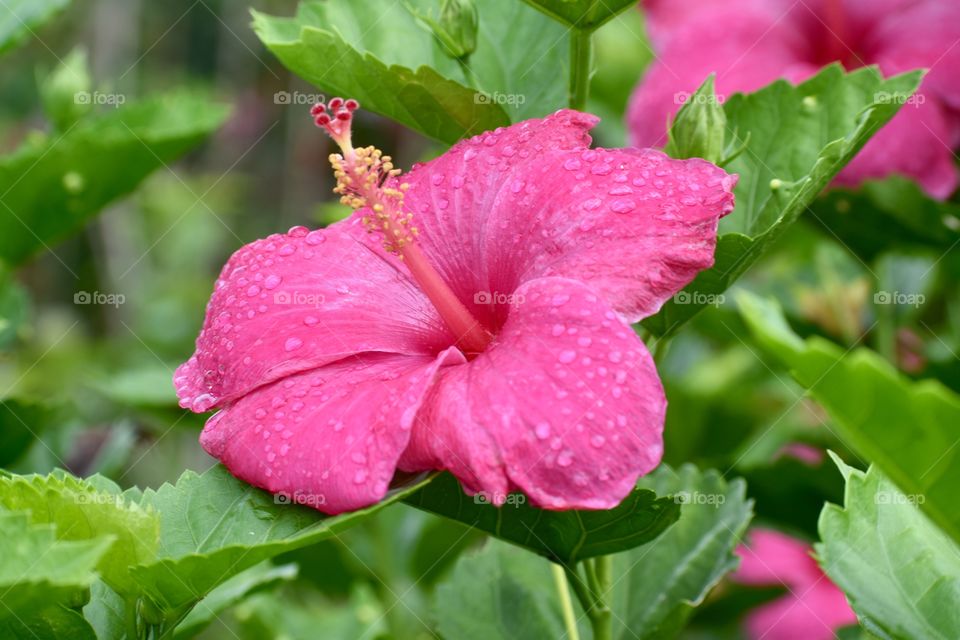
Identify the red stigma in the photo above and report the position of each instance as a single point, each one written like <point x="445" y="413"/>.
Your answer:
<point x="334" y="117"/>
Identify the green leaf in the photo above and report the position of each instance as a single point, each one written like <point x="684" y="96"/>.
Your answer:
<point x="106" y="612"/>
<point x="498" y="592"/>
<point x="65" y="91"/>
<point x="81" y="511"/>
<point x="908" y="429"/>
<point x="503" y="592"/>
<point x="236" y="589"/>
<point x="213" y="526"/>
<point x="582" y="14"/>
<point x="54" y="623"/>
<point x="888" y="214"/>
<point x="797" y="139"/>
<point x="53" y="186"/>
<point x="900" y="573"/>
<point x="565" y="537"/>
<point x="658" y="585"/>
<point x="20" y="424"/>
<point x="378" y="54"/>
<point x="20" y="18"/>
<point x="40" y="571"/>
<point x="14" y="310"/>
<point x="361" y="616"/>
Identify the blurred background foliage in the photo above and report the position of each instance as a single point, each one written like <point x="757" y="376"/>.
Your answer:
<point x="212" y="148"/>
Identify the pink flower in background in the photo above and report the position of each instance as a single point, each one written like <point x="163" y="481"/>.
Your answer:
<point x="751" y="43"/>
<point x="482" y="327"/>
<point x="813" y="607"/>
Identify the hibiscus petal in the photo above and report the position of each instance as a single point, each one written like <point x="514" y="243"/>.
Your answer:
<point x="924" y="35"/>
<point x="327" y="438"/>
<point x="813" y="606"/>
<point x="451" y="196"/>
<point x="772" y="558"/>
<point x="565" y="405"/>
<point x="747" y="44"/>
<point x="812" y="613"/>
<point x="635" y="225"/>
<point x="914" y="144"/>
<point x="290" y="303"/>
<point x="532" y="200"/>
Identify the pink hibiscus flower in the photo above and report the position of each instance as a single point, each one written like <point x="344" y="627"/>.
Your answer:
<point x="813" y="608"/>
<point x="471" y="316"/>
<point x="751" y="43"/>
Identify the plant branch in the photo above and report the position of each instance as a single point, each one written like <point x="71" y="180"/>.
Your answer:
<point x="581" y="62"/>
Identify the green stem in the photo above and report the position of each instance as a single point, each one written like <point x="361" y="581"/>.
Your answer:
<point x="591" y="597"/>
<point x="581" y="54"/>
<point x="569" y="620"/>
<point x="468" y="73"/>
<point x="886" y="332"/>
<point x="130" y="609"/>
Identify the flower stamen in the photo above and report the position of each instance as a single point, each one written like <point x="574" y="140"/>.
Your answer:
<point x="362" y="177"/>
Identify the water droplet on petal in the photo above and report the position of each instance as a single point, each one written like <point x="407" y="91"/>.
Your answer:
<point x="292" y="344"/>
<point x="623" y="206"/>
<point x="272" y="281"/>
<point x="567" y="356"/>
<point x="315" y="237"/>
<point x="542" y="431"/>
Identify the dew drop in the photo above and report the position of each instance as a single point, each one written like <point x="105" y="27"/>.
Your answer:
<point x="292" y="344"/>
<point x="567" y="356"/>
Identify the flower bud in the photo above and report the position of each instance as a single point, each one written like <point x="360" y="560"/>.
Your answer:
<point x="455" y="28"/>
<point x="699" y="130"/>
